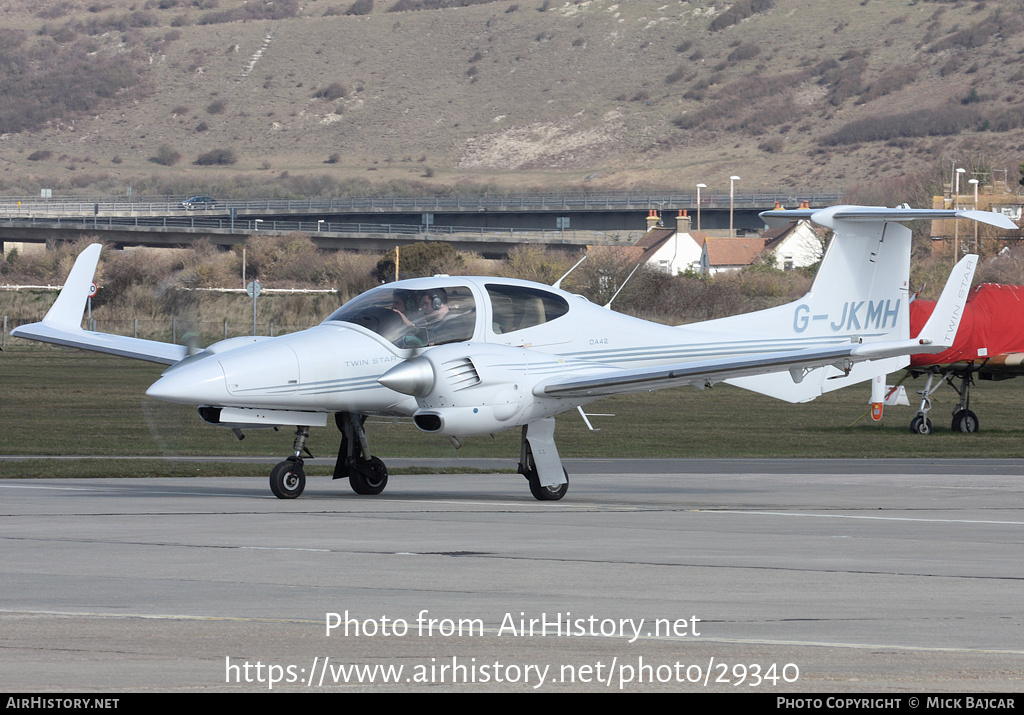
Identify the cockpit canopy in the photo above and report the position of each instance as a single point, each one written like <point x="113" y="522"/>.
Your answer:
<point x="417" y="314"/>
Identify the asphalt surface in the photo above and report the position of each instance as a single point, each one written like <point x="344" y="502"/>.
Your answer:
<point x="844" y="576"/>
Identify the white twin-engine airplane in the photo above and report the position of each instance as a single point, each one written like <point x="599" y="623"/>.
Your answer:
<point x="469" y="356"/>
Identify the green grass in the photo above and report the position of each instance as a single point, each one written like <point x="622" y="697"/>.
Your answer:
<point x="67" y="402"/>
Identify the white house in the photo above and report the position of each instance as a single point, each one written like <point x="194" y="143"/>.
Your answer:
<point x="798" y="245"/>
<point x="672" y="250"/>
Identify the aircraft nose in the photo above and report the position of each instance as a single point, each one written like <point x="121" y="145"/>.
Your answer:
<point x="196" y="383"/>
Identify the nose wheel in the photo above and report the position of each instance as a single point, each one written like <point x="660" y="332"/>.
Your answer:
<point x="288" y="479"/>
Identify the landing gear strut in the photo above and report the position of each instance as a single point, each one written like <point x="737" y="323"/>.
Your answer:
<point x="964" y="420"/>
<point x="366" y="474"/>
<point x="288" y="478"/>
<point x="538" y="445"/>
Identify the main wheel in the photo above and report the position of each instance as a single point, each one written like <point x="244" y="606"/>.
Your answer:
<point x="543" y="493"/>
<point x="287" y="479"/>
<point x="368" y="477"/>
<point x="965" y="421"/>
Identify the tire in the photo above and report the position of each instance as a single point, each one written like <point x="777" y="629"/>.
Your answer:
<point x="287" y="479"/>
<point x="921" y="425"/>
<point x="965" y="422"/>
<point x="369" y="477"/>
<point x="542" y="493"/>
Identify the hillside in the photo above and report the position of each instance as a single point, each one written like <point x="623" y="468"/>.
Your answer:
<point x="591" y="94"/>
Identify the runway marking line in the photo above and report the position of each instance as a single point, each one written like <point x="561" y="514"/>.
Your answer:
<point x="858" y="516"/>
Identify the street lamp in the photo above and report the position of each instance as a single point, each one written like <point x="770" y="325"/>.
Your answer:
<point x="256" y="224"/>
<point x="732" y="183"/>
<point x="699" y="187"/>
<point x="318" y="225"/>
<point x="975" y="182"/>
<point x="956" y="222"/>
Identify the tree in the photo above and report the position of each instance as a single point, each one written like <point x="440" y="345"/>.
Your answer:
<point x="420" y="259"/>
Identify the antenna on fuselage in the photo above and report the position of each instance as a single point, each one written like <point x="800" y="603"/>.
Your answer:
<point x="558" y="283"/>
<point x="608" y="305"/>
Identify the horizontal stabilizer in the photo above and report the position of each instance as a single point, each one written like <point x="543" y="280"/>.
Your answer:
<point x="825" y="217"/>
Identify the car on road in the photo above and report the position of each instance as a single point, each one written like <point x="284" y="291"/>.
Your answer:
<point x="199" y="202"/>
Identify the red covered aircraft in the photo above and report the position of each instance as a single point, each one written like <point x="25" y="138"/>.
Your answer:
<point x="988" y="346"/>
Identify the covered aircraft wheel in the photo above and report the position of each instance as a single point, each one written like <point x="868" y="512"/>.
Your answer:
<point x="543" y="493"/>
<point x="288" y="479"/>
<point x="921" y="425"/>
<point x="369" y="476"/>
<point x="965" y="421"/>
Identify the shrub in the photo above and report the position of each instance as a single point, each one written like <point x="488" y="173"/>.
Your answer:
<point x="217" y="106"/>
<point x="166" y="156"/>
<point x="40" y="155"/>
<point x="360" y="7"/>
<point x="333" y="91"/>
<point x="421" y="259"/>
<point x="746" y="51"/>
<point x="216" y="157"/>
<point x="739" y="11"/>
<point x="940" y="121"/>
<point x="677" y="75"/>
<point x="256" y="10"/>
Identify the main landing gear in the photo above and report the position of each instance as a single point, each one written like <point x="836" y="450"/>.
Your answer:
<point x="964" y="420"/>
<point x="366" y="474"/>
<point x="539" y="461"/>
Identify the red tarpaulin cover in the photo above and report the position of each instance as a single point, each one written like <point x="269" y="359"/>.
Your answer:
<point x="993" y="324"/>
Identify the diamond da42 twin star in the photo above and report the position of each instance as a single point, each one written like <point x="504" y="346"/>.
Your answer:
<point x="467" y="356"/>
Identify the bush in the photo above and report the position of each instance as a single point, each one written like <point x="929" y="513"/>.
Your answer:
<point x="221" y="157"/>
<point x="739" y="11"/>
<point x="360" y="7"/>
<point x="217" y="106"/>
<point x="333" y="91"/>
<point x="255" y="10"/>
<point x="746" y="51"/>
<point x="41" y="155"/>
<point x="166" y="156"/>
<point x="420" y="259"/>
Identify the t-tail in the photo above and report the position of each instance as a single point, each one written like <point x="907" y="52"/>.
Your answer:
<point x="860" y="295"/>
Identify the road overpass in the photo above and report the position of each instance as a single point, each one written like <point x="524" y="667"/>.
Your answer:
<point x="179" y="232"/>
<point x="489" y="225"/>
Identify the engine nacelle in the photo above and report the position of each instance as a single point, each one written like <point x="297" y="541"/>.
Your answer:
<point x="467" y="389"/>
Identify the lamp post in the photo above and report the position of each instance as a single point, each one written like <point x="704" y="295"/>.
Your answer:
<point x="975" y="182"/>
<point x="256" y="223"/>
<point x="956" y="222"/>
<point x="732" y="184"/>
<point x="699" y="187"/>
<point x="318" y="225"/>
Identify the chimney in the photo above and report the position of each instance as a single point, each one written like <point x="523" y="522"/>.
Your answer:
<point x="682" y="222"/>
<point x="652" y="219"/>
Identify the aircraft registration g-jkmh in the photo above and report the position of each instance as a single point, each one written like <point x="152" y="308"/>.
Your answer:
<point x="466" y="356"/>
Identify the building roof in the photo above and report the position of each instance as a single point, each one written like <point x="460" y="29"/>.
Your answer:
<point x="739" y="251"/>
<point x="659" y="236"/>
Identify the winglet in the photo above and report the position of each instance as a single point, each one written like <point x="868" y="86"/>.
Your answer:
<point x="66" y="312"/>
<point x="940" y="331"/>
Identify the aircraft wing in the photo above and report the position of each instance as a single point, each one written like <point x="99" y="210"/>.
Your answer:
<point x="708" y="372"/>
<point x="63" y="323"/>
